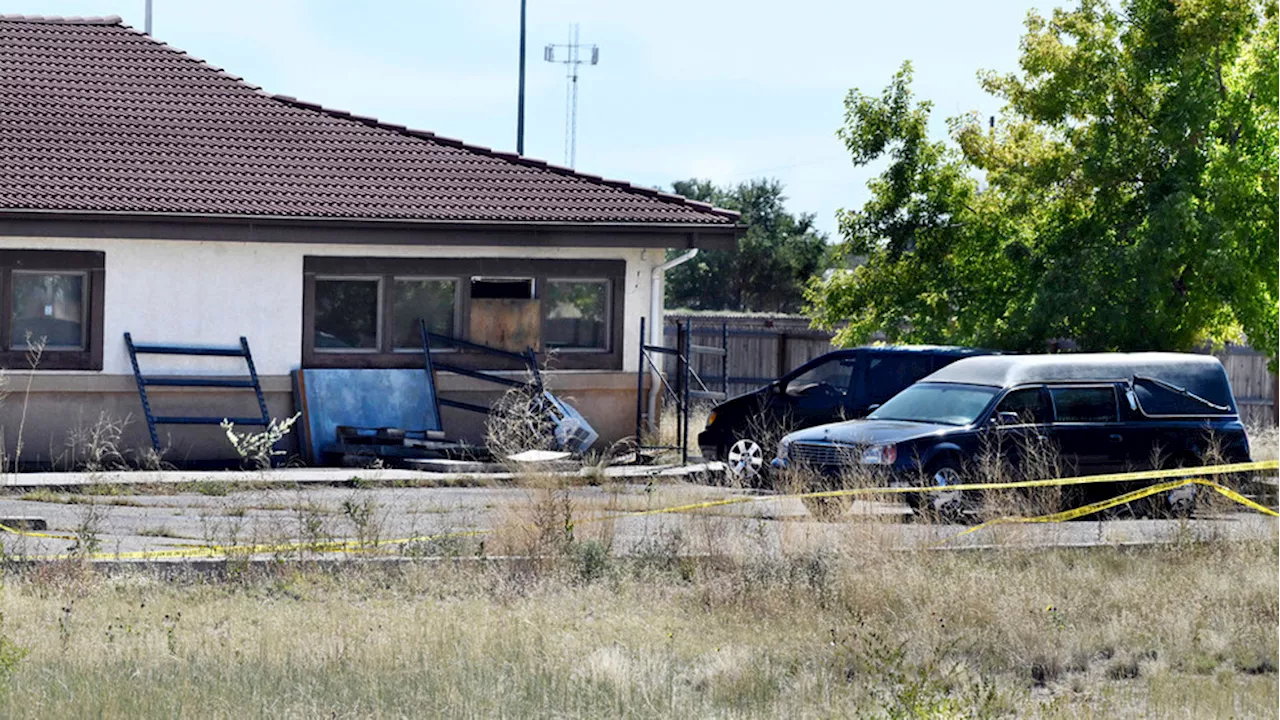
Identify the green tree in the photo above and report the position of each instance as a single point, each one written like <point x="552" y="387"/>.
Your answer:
<point x="771" y="264"/>
<point x="1130" y="197"/>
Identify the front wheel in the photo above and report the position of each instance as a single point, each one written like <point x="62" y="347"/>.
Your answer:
<point x="744" y="460"/>
<point x="949" y="505"/>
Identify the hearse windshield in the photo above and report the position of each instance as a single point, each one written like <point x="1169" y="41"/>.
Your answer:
<point x="941" y="403"/>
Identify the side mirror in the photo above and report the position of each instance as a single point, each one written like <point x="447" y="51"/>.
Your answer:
<point x="1008" y="418"/>
<point x="873" y="407"/>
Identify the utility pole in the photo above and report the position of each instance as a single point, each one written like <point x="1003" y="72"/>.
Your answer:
<point x="520" y="102"/>
<point x="572" y="59"/>
<point x="147" y="22"/>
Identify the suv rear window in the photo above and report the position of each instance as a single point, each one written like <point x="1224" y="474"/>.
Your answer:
<point x="888" y="374"/>
<point x="1084" y="404"/>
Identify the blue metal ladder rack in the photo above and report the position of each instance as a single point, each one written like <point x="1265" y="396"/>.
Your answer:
<point x="152" y="381"/>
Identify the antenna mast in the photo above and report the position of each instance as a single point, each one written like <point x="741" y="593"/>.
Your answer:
<point x="571" y="59"/>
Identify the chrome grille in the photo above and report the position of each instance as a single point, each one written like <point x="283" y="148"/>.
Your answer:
<point x="820" y="454"/>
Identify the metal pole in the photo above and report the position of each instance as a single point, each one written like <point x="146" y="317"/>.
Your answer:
<point x="573" y="117"/>
<point x="640" y="393"/>
<point x="569" y="69"/>
<point x="724" y="359"/>
<point x="680" y="382"/>
<point x="520" y="103"/>
<point x="684" y="399"/>
<point x="147" y="23"/>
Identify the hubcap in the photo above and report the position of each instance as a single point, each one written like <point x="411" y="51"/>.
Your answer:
<point x="745" y="459"/>
<point x="949" y="500"/>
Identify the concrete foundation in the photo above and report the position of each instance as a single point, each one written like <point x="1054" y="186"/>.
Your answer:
<point x="65" y="418"/>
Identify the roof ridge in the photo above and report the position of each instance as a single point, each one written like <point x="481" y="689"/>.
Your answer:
<point x="508" y="156"/>
<point x="179" y="51"/>
<point x="68" y="20"/>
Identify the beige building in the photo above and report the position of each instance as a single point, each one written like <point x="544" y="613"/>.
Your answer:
<point x="144" y="191"/>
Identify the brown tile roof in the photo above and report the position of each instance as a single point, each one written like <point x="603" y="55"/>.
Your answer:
<point x="98" y="117"/>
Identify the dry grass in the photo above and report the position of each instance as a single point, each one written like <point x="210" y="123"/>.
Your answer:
<point x="1166" y="632"/>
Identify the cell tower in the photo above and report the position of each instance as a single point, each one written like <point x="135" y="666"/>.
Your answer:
<point x="570" y="56"/>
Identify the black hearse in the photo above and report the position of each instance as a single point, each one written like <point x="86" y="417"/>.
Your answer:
<point x="1101" y="413"/>
<point x="837" y="386"/>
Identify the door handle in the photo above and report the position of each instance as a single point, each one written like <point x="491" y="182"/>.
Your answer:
<point x="1115" y="438"/>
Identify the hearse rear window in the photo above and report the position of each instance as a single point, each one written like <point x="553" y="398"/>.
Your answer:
<point x="1159" y="398"/>
<point x="1084" y="404"/>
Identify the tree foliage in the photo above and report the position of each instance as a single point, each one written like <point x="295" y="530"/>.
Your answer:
<point x="771" y="264"/>
<point x="1130" y="197"/>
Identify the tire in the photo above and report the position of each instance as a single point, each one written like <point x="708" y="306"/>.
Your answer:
<point x="744" y="461"/>
<point x="954" y="507"/>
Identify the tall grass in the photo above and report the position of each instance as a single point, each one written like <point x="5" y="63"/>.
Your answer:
<point x="1186" y="631"/>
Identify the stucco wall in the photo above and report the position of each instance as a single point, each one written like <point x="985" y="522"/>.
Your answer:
<point x="192" y="292"/>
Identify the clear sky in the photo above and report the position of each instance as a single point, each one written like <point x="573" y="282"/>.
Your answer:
<point x="725" y="90"/>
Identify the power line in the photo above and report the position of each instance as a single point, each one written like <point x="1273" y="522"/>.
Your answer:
<point x="571" y="60"/>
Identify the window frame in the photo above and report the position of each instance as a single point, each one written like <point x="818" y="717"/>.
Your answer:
<point x="378" y="329"/>
<point x="608" y="312"/>
<point x="91" y="265"/>
<point x="460" y="269"/>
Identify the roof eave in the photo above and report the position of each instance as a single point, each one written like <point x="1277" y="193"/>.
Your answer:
<point x="364" y="231"/>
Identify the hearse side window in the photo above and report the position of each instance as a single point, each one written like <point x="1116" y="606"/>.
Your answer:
<point x="1031" y="405"/>
<point x="1084" y="404"/>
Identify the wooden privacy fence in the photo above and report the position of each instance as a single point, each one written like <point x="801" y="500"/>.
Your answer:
<point x="763" y="347"/>
<point x="760" y="348"/>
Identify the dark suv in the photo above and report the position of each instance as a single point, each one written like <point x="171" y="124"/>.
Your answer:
<point x="836" y="386"/>
<point x="1100" y="413"/>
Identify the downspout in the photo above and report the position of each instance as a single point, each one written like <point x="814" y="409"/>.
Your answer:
<point x="657" y="326"/>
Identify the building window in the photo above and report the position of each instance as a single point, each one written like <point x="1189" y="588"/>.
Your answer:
<point x="577" y="315"/>
<point x="346" y="312"/>
<point x="364" y="312"/>
<point x="434" y="300"/>
<point x="48" y="306"/>
<point x="51" y="299"/>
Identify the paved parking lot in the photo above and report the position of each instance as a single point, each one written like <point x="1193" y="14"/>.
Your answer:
<point x="508" y="520"/>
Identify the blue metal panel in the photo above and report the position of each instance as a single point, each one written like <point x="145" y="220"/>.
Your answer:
<point x="370" y="398"/>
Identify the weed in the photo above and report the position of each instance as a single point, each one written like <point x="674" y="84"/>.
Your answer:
<point x="257" y="450"/>
<point x="88" y="531"/>
<point x="362" y="513"/>
<point x="11" y="656"/>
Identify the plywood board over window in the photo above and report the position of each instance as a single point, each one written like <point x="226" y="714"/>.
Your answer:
<point x="513" y="325"/>
<point x="571" y="307"/>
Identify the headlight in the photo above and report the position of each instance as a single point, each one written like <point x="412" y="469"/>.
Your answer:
<point x="880" y="455"/>
<point x="711" y="418"/>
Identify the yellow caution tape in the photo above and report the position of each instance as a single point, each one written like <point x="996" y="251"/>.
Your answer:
<point x="1126" y="498"/>
<point x="366" y="546"/>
